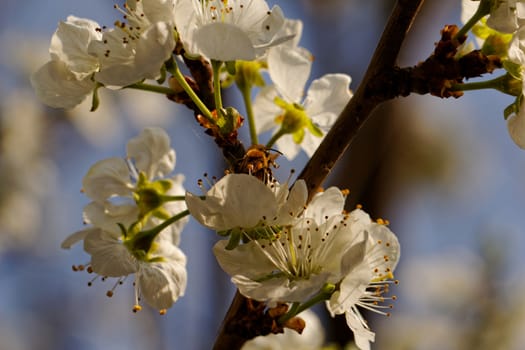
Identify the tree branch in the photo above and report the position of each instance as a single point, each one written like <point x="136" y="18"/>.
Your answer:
<point x="364" y="100"/>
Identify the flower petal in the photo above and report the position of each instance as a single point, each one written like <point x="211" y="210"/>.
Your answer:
<point x="57" y="86"/>
<point x="107" y="178"/>
<point x="74" y="238"/>
<point x="325" y="204"/>
<point x="516" y="127"/>
<point x="229" y="204"/>
<point x="162" y="283"/>
<point x="70" y="43"/>
<point x="265" y="110"/>
<point x="152" y="153"/>
<point x="289" y="70"/>
<point x="224" y="42"/>
<point x="329" y="94"/>
<point x="109" y="257"/>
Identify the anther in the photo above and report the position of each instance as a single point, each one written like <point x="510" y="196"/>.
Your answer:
<point x="137" y="308"/>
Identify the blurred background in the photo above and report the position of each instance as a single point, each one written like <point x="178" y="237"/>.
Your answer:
<point x="444" y="172"/>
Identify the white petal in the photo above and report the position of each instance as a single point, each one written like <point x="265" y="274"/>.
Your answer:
<point x="159" y="10"/>
<point x="229" y="203"/>
<point x="280" y="289"/>
<point x="152" y="153"/>
<point x="504" y="18"/>
<point x="325" y="204"/>
<point x="311" y="142"/>
<point x="265" y="110"/>
<point x="154" y="47"/>
<point x="107" y="178"/>
<point x="224" y="42"/>
<point x="74" y="238"/>
<point x="106" y="216"/>
<point x="109" y="257"/>
<point x="70" y="43"/>
<point x="329" y="94"/>
<point x="162" y="283"/>
<point x="176" y="207"/>
<point x="246" y="259"/>
<point x="265" y="36"/>
<point x="288" y="147"/>
<point x="386" y="245"/>
<point x="294" y="203"/>
<point x="57" y="87"/>
<point x="516" y="127"/>
<point x="362" y="335"/>
<point x="292" y="27"/>
<point x="351" y="289"/>
<point x="289" y="70"/>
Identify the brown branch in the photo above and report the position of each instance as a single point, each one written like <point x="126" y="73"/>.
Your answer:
<point x="335" y="143"/>
<point x="364" y="101"/>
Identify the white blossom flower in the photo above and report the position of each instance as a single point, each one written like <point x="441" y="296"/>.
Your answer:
<point x="294" y="267"/>
<point x="312" y="337"/>
<point x="136" y="49"/>
<point x="66" y="79"/>
<point x="281" y="106"/>
<point x="367" y="280"/>
<point x="229" y="30"/>
<point x="160" y="271"/>
<point x="82" y="53"/>
<point x="141" y="182"/>
<point x="300" y="260"/>
<point x="230" y="204"/>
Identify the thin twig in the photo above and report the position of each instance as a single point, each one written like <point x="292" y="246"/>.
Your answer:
<point x="361" y="105"/>
<point x="338" y="139"/>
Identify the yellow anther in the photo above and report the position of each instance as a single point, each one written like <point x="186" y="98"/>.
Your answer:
<point x="163" y="311"/>
<point x="137" y="308"/>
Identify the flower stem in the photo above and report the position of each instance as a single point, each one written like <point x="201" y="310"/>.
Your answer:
<point x="505" y="83"/>
<point x="167" y="198"/>
<point x="482" y="11"/>
<point x="275" y="137"/>
<point x="173" y="68"/>
<point x="246" y="95"/>
<point x="216" y="67"/>
<point x="157" y="229"/>
<point x="152" y="88"/>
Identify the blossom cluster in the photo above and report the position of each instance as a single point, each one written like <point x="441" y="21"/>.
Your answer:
<point x="86" y="56"/>
<point x="278" y="248"/>
<point x="296" y="253"/>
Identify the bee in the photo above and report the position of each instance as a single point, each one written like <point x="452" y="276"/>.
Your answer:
<point x="258" y="161"/>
